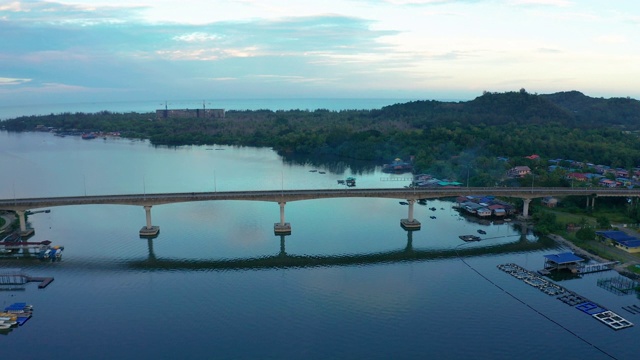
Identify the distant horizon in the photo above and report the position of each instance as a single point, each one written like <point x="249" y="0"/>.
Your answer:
<point x="274" y="104"/>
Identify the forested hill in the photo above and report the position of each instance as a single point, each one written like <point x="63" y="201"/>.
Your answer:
<point x="588" y="111"/>
<point x="572" y="109"/>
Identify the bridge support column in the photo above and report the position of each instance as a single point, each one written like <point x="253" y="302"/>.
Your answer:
<point x="149" y="230"/>
<point x="282" y="228"/>
<point x="410" y="223"/>
<point x="24" y="232"/>
<point x="525" y="208"/>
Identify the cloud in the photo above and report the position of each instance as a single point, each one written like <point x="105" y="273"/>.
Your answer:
<point x="12" y="81"/>
<point x="14" y="6"/>
<point x="556" y="3"/>
<point x="611" y="39"/>
<point x="196" y="37"/>
<point x="429" y="2"/>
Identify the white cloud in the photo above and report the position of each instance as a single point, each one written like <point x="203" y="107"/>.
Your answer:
<point x="12" y="81"/>
<point x="14" y="6"/>
<point x="196" y="37"/>
<point x="558" y="3"/>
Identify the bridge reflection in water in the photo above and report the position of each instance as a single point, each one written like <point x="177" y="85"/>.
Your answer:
<point x="284" y="260"/>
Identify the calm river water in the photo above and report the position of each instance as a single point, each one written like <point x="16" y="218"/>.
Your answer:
<point x="348" y="283"/>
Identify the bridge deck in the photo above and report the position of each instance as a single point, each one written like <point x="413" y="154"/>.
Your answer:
<point x="297" y="195"/>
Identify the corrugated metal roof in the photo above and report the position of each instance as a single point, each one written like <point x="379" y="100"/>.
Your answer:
<point x="564" y="258"/>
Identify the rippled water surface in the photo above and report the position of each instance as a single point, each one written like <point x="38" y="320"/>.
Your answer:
<point x="217" y="283"/>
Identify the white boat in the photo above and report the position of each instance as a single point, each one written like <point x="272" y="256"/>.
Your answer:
<point x="4" y="326"/>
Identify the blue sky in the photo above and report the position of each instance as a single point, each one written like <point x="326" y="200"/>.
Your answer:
<point x="77" y="51"/>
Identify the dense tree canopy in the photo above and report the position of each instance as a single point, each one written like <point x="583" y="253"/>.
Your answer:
<point x="458" y="140"/>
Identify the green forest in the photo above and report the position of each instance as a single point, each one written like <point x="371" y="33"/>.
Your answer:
<point x="455" y="140"/>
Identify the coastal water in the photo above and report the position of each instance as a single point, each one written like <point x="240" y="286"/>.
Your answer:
<point x="348" y="282"/>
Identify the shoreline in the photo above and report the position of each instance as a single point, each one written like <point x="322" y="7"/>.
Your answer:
<point x="620" y="267"/>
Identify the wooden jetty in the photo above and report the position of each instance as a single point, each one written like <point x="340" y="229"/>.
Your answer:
<point x="15" y="277"/>
<point x="591" y="268"/>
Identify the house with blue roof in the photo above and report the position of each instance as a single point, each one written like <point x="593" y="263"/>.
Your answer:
<point x="621" y="240"/>
<point x="568" y="260"/>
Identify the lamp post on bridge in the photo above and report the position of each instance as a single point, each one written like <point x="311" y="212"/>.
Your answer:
<point x="533" y="177"/>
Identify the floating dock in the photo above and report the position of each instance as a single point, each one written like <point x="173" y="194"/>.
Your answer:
<point x="570" y="298"/>
<point x="15" y="277"/>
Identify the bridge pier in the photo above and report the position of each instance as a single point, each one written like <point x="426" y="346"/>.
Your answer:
<point x="410" y="223"/>
<point x="24" y="232"/>
<point x="282" y="228"/>
<point x="149" y="230"/>
<point x="525" y="208"/>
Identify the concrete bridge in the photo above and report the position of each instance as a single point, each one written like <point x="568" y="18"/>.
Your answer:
<point x="411" y="195"/>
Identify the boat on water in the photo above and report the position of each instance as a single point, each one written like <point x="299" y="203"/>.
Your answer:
<point x="469" y="238"/>
<point x="480" y="231"/>
<point x="8" y="317"/>
<point x="53" y="253"/>
<point x="351" y="181"/>
<point x="397" y="166"/>
<point x="404" y="203"/>
<point x="88" y="136"/>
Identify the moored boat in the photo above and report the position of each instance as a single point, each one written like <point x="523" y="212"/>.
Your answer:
<point x="469" y="237"/>
<point x="351" y="181"/>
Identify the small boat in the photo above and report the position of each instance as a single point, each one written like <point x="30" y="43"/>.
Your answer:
<point x="4" y="326"/>
<point x="469" y="238"/>
<point x="341" y="182"/>
<point x="314" y="170"/>
<point x="53" y="253"/>
<point x="404" y="203"/>
<point x="321" y="172"/>
<point x="88" y="136"/>
<point x="351" y="181"/>
<point x="433" y="217"/>
<point x="482" y="232"/>
<point x="8" y="317"/>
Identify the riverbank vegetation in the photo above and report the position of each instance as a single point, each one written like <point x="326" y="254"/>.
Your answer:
<point x="455" y="140"/>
